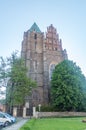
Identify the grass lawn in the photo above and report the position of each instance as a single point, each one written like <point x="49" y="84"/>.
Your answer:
<point x="55" y="124"/>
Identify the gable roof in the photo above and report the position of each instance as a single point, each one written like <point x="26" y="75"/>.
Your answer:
<point x="35" y="27"/>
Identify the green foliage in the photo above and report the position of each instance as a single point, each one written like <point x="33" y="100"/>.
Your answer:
<point x="2" y="101"/>
<point x="45" y="108"/>
<point x="13" y="73"/>
<point x="67" y="87"/>
<point x="19" y="84"/>
<point x="3" y="72"/>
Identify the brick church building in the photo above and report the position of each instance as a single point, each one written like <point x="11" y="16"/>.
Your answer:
<point x="41" y="53"/>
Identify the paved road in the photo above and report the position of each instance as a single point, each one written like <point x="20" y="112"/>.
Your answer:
<point x="17" y="125"/>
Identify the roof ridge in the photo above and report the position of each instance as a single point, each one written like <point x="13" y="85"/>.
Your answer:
<point x="35" y="27"/>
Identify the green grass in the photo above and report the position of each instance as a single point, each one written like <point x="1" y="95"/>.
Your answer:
<point x="55" y="124"/>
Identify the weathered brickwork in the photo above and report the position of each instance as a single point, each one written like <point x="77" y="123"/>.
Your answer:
<point x="41" y="53"/>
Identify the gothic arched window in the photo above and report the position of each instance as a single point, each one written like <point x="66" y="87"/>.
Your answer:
<point x="35" y="36"/>
<point x="51" y="69"/>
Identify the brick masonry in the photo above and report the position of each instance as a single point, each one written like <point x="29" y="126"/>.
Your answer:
<point x="40" y="51"/>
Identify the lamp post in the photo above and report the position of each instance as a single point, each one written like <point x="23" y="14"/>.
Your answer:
<point x="39" y="107"/>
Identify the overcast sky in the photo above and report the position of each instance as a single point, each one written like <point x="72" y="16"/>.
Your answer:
<point x="68" y="16"/>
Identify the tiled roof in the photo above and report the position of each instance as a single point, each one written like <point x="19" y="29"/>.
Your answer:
<point x="35" y="27"/>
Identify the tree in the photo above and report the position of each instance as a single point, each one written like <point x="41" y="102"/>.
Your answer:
<point x="3" y="72"/>
<point x="3" y="76"/>
<point x="67" y="87"/>
<point x="19" y="85"/>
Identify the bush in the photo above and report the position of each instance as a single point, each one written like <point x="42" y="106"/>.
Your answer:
<point x="45" y="108"/>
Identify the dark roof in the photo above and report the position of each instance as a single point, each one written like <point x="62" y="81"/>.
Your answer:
<point x="35" y="27"/>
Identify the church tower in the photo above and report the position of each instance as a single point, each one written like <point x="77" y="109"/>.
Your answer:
<point x="41" y="54"/>
<point x="32" y="52"/>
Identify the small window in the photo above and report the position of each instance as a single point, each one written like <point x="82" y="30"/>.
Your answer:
<point x="35" y="36"/>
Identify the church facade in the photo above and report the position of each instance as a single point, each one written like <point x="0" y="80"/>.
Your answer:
<point x="41" y="53"/>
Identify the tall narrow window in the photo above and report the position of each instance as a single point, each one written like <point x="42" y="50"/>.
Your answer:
<point x="51" y="69"/>
<point x="35" y="36"/>
<point x="35" y="45"/>
<point x="36" y="64"/>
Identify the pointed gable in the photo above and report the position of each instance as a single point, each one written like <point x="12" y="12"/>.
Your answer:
<point x="35" y="28"/>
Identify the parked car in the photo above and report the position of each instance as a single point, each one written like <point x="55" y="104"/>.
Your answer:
<point x="1" y="125"/>
<point x="6" y="119"/>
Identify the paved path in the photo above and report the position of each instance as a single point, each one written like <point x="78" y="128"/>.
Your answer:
<point x="17" y="125"/>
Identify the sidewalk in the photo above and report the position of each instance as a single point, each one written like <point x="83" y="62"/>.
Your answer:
<point x="17" y="125"/>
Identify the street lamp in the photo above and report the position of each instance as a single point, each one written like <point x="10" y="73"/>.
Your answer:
<point x="39" y="107"/>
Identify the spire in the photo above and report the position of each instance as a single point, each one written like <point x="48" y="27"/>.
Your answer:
<point x="35" y="28"/>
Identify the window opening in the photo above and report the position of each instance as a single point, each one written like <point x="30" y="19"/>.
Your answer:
<point x="52" y="67"/>
<point x="35" y="36"/>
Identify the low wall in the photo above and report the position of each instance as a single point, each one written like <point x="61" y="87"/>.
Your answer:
<point x="60" y="114"/>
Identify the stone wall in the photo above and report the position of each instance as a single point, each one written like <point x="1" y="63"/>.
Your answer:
<point x="61" y="114"/>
